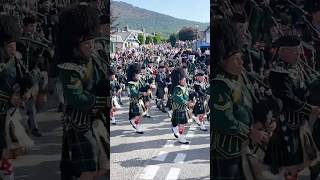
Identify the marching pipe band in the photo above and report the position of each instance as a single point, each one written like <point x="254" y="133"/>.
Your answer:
<point x="160" y="73"/>
<point x="293" y="82"/>
<point x="37" y="55"/>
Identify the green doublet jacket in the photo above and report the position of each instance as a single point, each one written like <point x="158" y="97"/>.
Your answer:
<point x="79" y="82"/>
<point x="231" y="115"/>
<point x="134" y="89"/>
<point x="180" y="98"/>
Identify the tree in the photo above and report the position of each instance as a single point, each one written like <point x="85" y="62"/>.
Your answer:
<point x="154" y="39"/>
<point x="157" y="39"/>
<point x="173" y="39"/>
<point x="187" y="34"/>
<point x="149" y="39"/>
<point x="164" y="40"/>
<point x="141" y="38"/>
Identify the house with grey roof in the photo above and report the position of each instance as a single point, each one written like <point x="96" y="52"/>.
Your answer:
<point x="127" y="38"/>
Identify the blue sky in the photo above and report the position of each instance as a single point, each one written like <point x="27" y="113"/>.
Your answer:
<point x="195" y="10"/>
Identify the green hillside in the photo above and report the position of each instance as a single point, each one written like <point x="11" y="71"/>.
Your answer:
<point x="138" y="18"/>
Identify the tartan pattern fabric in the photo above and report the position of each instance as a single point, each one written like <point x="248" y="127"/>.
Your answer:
<point x="198" y="108"/>
<point x="179" y="117"/>
<point x="83" y="151"/>
<point x="178" y="107"/>
<point x="223" y="169"/>
<point x="160" y="93"/>
<point x="134" y="111"/>
<point x="282" y="153"/>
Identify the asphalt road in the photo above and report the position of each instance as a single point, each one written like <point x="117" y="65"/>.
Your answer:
<point x="42" y="160"/>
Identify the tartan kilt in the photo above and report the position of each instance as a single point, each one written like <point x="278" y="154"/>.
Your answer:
<point x="83" y="151"/>
<point x="278" y="155"/>
<point x="134" y="110"/>
<point x="180" y="117"/>
<point x="199" y="108"/>
<point x="226" y="169"/>
<point x="160" y="92"/>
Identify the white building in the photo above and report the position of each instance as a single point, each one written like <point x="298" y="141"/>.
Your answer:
<point x="127" y="38"/>
<point x="116" y="43"/>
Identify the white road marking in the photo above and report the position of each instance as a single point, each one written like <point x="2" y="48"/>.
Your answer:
<point x="169" y="143"/>
<point x="185" y="146"/>
<point x="179" y="158"/>
<point x="173" y="174"/>
<point x="190" y="134"/>
<point x="167" y="120"/>
<point x="161" y="156"/>
<point x="150" y="172"/>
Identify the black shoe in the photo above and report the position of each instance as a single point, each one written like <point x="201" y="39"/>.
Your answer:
<point x="147" y="116"/>
<point x="141" y="132"/>
<point x="187" y="142"/>
<point x="164" y="111"/>
<point x="36" y="133"/>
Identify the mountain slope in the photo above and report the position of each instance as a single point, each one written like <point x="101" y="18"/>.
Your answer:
<point x="138" y="18"/>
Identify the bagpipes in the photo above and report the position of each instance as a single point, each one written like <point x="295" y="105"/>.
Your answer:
<point x="141" y="104"/>
<point x="39" y="74"/>
<point x="264" y="105"/>
<point x="36" y="45"/>
<point x="17" y="138"/>
<point x="192" y="99"/>
<point x="307" y="132"/>
<point x="100" y="122"/>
